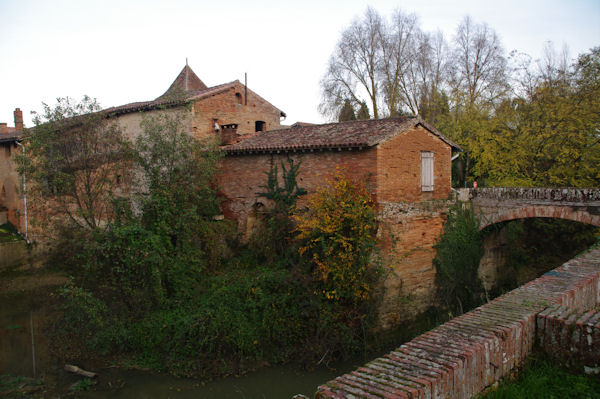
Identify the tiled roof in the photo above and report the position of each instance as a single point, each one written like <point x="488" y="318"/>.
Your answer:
<point x="186" y="87"/>
<point x="12" y="135"/>
<point x="187" y="81"/>
<point x="343" y="135"/>
<point x="169" y="101"/>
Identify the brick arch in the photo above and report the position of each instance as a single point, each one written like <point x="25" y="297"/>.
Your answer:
<point x="579" y="214"/>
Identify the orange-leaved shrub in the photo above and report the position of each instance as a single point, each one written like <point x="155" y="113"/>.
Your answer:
<point x="337" y="230"/>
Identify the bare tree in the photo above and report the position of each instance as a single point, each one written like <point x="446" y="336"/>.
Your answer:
<point x="479" y="65"/>
<point x="393" y="65"/>
<point x="398" y="53"/>
<point x="353" y="68"/>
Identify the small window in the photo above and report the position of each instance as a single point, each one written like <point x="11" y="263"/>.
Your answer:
<point x="426" y="171"/>
<point x="238" y="97"/>
<point x="260" y="126"/>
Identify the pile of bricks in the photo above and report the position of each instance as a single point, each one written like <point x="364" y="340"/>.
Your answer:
<point x="469" y="353"/>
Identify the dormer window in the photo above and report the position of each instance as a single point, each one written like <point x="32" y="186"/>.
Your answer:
<point x="260" y="126"/>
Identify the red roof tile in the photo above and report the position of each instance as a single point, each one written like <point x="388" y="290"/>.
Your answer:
<point x="354" y="134"/>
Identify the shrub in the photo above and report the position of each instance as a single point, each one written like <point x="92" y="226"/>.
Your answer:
<point x="338" y="235"/>
<point x="459" y="251"/>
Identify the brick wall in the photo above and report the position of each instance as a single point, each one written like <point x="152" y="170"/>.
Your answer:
<point x="241" y="176"/>
<point x="570" y="336"/>
<point x="462" y="357"/>
<point x="399" y="167"/>
<point x="228" y="108"/>
<point x="406" y="237"/>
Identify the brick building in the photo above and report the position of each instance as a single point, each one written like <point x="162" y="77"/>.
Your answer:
<point x="407" y="164"/>
<point x="11" y="202"/>
<point x="205" y="110"/>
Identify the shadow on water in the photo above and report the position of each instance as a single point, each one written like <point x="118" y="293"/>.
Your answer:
<point x="275" y="382"/>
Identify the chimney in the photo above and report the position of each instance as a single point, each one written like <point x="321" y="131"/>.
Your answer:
<point x="229" y="134"/>
<point x="18" y="120"/>
<point x="3" y="128"/>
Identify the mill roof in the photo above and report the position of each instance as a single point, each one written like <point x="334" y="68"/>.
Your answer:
<point x="343" y="135"/>
<point x="187" y="81"/>
<point x="186" y="87"/>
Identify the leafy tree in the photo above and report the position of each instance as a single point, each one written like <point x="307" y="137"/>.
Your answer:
<point x="548" y="136"/>
<point x="78" y="161"/>
<point x="337" y="233"/>
<point x="177" y="194"/>
<point x="459" y="251"/>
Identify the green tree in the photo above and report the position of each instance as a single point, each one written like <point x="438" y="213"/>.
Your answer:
<point x="347" y="112"/>
<point x="78" y="162"/>
<point x="363" y="112"/>
<point x="549" y="135"/>
<point x="459" y="251"/>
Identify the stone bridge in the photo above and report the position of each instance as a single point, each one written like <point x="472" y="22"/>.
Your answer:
<point x="500" y="204"/>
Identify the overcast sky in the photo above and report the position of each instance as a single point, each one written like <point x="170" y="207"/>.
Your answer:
<point x="125" y="51"/>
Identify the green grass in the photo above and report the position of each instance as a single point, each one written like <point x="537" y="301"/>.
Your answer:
<point x="544" y="380"/>
<point x="8" y="233"/>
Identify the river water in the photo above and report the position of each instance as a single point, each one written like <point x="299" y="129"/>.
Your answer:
<point x="22" y="354"/>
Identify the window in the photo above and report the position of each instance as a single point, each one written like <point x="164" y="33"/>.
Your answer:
<point x="426" y="171"/>
<point x="238" y="97"/>
<point x="260" y="126"/>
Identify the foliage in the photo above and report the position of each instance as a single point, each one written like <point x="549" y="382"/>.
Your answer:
<point x="548" y="136"/>
<point x="178" y="196"/>
<point x="276" y="237"/>
<point x="337" y="231"/>
<point x="538" y="245"/>
<point x="459" y="251"/>
<point x="347" y="112"/>
<point x="540" y="379"/>
<point x="77" y="160"/>
<point x="156" y="285"/>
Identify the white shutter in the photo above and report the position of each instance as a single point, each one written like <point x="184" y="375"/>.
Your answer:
<point x="426" y="171"/>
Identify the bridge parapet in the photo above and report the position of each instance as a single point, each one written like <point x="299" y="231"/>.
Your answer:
<point x="500" y="204"/>
<point x="583" y="196"/>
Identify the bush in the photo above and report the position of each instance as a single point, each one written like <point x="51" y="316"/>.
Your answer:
<point x="459" y="251"/>
<point x="338" y="235"/>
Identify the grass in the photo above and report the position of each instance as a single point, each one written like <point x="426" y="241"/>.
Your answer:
<point x="544" y="380"/>
<point x="8" y="233"/>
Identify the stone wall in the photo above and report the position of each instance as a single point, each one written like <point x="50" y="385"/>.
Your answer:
<point x="501" y="204"/>
<point x="241" y="177"/>
<point x="11" y="185"/>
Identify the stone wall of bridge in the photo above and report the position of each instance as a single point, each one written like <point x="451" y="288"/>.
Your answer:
<point x="500" y="204"/>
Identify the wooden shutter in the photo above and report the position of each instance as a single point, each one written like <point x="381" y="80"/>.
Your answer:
<point x="427" y="171"/>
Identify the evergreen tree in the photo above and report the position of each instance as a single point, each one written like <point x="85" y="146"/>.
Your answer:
<point x="347" y="112"/>
<point x="363" y="112"/>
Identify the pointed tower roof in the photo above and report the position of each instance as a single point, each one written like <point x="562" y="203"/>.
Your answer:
<point x="187" y="81"/>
